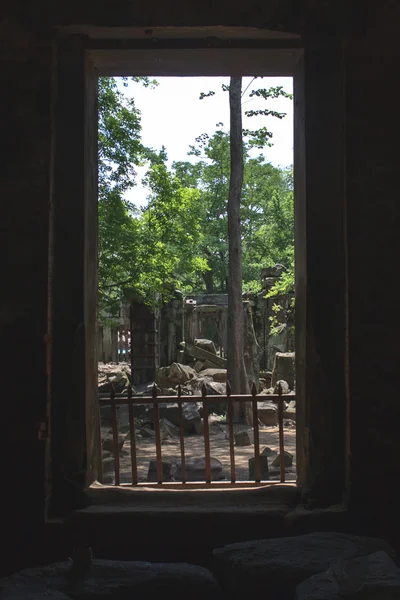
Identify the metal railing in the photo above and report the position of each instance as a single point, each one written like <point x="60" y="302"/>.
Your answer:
<point x="155" y="400"/>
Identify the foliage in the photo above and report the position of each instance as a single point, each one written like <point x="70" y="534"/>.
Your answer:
<point x="142" y="254"/>
<point x="120" y="151"/>
<point x="284" y="286"/>
<point x="266" y="213"/>
<point x="170" y="234"/>
<point x="180" y="238"/>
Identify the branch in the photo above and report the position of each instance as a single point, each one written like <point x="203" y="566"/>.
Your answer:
<point x="254" y="78"/>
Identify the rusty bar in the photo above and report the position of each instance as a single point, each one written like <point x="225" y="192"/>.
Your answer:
<point x="230" y="427"/>
<point x="257" y="466"/>
<point x="206" y="434"/>
<point x="100" y="452"/>
<point x="115" y="435"/>
<point x="181" y="435"/>
<point x="158" y="436"/>
<point x="121" y="400"/>
<point x="132" y="435"/>
<point x="281" y="440"/>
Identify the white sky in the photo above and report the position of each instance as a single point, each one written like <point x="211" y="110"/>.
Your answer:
<point x="172" y="115"/>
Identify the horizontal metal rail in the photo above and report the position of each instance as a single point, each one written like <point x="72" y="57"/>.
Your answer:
<point x="114" y="400"/>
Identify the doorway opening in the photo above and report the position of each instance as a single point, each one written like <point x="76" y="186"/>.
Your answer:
<point x="167" y="414"/>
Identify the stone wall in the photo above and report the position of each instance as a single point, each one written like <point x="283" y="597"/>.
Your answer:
<point x="369" y="190"/>
<point x="26" y="58"/>
<point x="373" y="219"/>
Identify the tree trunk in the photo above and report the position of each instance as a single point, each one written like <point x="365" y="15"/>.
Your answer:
<point x="209" y="281"/>
<point x="237" y="376"/>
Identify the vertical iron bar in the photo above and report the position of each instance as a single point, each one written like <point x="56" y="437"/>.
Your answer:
<point x="281" y="440"/>
<point x="257" y="466"/>
<point x="132" y="435"/>
<point x="158" y="435"/>
<point x="100" y="452"/>
<point x="115" y="435"/>
<point x="206" y="434"/>
<point x="181" y="435"/>
<point x="230" y="427"/>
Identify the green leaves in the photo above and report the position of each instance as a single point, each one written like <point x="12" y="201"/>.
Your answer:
<point x="180" y="238"/>
<point x="272" y="92"/>
<point x="203" y="95"/>
<point x="267" y="217"/>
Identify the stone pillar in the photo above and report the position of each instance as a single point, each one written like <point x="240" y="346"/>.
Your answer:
<point x="26" y="193"/>
<point x="373" y="250"/>
<point x="321" y="282"/>
<point x="74" y="278"/>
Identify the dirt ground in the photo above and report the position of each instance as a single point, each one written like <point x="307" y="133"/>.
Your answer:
<point x="219" y="448"/>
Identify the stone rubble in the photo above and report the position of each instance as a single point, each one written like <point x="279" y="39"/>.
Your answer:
<point x="204" y="372"/>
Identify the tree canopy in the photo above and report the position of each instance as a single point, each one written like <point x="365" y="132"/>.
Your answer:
<point x="179" y="240"/>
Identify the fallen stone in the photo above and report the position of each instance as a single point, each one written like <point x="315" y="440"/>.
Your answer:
<point x="162" y="378"/>
<point x="190" y="415"/>
<point x="168" y="430"/>
<point x="138" y="411"/>
<point x="115" y="579"/>
<point x="196" y="469"/>
<point x="284" y="387"/>
<point x="216" y="374"/>
<point x="113" y="375"/>
<point x="162" y="411"/>
<point x="212" y="388"/>
<point x="263" y="468"/>
<point x="166" y="470"/>
<point x="199" y="427"/>
<point x="108" y="445"/>
<point x="34" y="592"/>
<point x="364" y="578"/>
<point x="215" y="388"/>
<point x="284" y="368"/>
<point x="290" y="411"/>
<point x="279" y="565"/>
<point x="268" y="452"/>
<point x="207" y="345"/>
<point x="199" y="353"/>
<point x="147" y="433"/>
<point x="198" y="365"/>
<point x="179" y="373"/>
<point x="242" y="438"/>
<point x="267" y="413"/>
<point x="288" y="460"/>
<point x="267" y="376"/>
<point x="169" y="392"/>
<point x="266" y="391"/>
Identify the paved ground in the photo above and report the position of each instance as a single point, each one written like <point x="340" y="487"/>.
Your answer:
<point x="219" y="446"/>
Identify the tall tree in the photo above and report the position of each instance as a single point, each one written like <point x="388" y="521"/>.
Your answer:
<point x="236" y="366"/>
<point x="120" y="152"/>
<point x="267" y="225"/>
<point x="143" y="254"/>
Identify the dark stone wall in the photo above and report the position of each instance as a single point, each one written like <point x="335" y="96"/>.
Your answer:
<point x="371" y="164"/>
<point x="26" y="189"/>
<point x="373" y="220"/>
<point x="284" y="15"/>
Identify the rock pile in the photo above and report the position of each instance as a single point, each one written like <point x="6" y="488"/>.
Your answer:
<point x="117" y="375"/>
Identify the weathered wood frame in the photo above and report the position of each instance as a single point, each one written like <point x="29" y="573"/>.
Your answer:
<point x="321" y="283"/>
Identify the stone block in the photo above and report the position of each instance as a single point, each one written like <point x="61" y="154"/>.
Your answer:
<point x="279" y="565"/>
<point x="263" y="468"/>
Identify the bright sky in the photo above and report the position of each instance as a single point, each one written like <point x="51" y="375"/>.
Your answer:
<point x="173" y="116"/>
